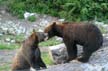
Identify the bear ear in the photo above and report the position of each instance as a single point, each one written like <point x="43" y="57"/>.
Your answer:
<point x="54" y="23"/>
<point x="33" y="35"/>
<point x="34" y="31"/>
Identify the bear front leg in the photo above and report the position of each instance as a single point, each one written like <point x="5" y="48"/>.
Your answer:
<point x="42" y="64"/>
<point x="36" y="66"/>
<point x="71" y="50"/>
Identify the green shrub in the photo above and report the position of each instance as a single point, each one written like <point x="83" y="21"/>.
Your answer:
<point x="71" y="10"/>
<point x="0" y="1"/>
<point x="32" y="18"/>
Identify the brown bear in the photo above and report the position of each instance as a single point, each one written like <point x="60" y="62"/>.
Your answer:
<point x="29" y="54"/>
<point x="73" y="33"/>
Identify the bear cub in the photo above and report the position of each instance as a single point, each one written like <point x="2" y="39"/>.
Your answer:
<point x="29" y="54"/>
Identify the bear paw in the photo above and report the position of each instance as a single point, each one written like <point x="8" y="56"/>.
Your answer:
<point x="82" y="59"/>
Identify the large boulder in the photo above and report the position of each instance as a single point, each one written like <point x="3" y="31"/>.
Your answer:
<point x="97" y="62"/>
<point x="58" y="53"/>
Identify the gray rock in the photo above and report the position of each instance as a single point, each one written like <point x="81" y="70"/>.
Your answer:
<point x="105" y="67"/>
<point x="102" y="25"/>
<point x="2" y="11"/>
<point x="11" y="31"/>
<point x="12" y="41"/>
<point x="59" y="39"/>
<point x="97" y="62"/>
<point x="58" y="53"/>
<point x="7" y="39"/>
<point x="27" y="15"/>
<point x="1" y="34"/>
<point x="61" y="20"/>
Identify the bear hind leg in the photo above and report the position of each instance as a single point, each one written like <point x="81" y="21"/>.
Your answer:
<point x="85" y="57"/>
<point x="87" y="52"/>
<point x="72" y="52"/>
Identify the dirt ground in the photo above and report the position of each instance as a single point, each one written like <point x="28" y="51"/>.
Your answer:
<point x="6" y="57"/>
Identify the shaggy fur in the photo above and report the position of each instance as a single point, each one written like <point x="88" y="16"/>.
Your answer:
<point x="87" y="35"/>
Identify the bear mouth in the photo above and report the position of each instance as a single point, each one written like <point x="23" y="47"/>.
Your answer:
<point x="46" y="36"/>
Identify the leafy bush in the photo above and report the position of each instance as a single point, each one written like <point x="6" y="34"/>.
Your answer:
<point x="0" y="1"/>
<point x="71" y="10"/>
<point x="32" y="18"/>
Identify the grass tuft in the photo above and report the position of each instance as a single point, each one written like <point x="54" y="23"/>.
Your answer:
<point x="46" y="58"/>
<point x="50" y="42"/>
<point x="9" y="46"/>
<point x="32" y="18"/>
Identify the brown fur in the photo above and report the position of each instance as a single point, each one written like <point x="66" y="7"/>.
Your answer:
<point x="28" y="55"/>
<point x="87" y="35"/>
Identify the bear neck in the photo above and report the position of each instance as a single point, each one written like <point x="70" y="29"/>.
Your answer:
<point x="59" y="31"/>
<point x="33" y="43"/>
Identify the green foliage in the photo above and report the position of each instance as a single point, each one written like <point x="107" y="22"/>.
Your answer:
<point x="9" y="46"/>
<point x="2" y="2"/>
<point x="17" y="8"/>
<point x="71" y="10"/>
<point x="5" y="66"/>
<point x="18" y="39"/>
<point x="46" y="58"/>
<point x="32" y="18"/>
<point x="50" y="42"/>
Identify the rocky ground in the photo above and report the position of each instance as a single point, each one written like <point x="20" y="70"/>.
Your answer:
<point x="6" y="57"/>
<point x="12" y="26"/>
<point x="97" y="62"/>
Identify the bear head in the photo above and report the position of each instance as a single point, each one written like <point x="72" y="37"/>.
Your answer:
<point x="33" y="37"/>
<point x="41" y="36"/>
<point x="38" y="36"/>
<point x="54" y="29"/>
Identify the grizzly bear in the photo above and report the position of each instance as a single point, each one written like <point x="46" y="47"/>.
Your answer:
<point x="29" y="54"/>
<point x="73" y="33"/>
